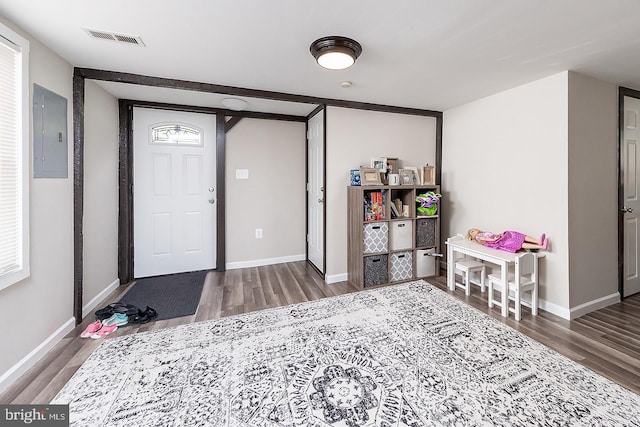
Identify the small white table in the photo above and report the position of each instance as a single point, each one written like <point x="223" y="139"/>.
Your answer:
<point x="476" y="250"/>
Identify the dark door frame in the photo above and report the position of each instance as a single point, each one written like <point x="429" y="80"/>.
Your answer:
<point x="80" y="75"/>
<point x="224" y="123"/>
<point x="320" y="109"/>
<point x="622" y="92"/>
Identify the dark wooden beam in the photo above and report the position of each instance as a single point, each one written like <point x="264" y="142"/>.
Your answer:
<point x="221" y="111"/>
<point x="221" y="259"/>
<point x="231" y="122"/>
<point x="78" y="193"/>
<point x="439" y="151"/>
<point x="125" y="189"/>
<point x="115" y="76"/>
<point x="316" y="111"/>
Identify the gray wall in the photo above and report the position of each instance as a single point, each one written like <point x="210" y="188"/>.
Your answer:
<point x="40" y="307"/>
<point x="353" y="138"/>
<point x="274" y="196"/>
<point x="593" y="190"/>
<point x="505" y="168"/>
<point x="100" y="222"/>
<point x="534" y="158"/>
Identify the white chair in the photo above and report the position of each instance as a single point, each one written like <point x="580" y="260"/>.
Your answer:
<point x="467" y="266"/>
<point x="525" y="279"/>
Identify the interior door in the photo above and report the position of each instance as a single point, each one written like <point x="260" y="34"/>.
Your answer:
<point x="631" y="181"/>
<point x="174" y="212"/>
<point x="315" y="190"/>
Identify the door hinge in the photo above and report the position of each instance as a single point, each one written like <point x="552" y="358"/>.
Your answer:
<point x="308" y="237"/>
<point x="308" y="186"/>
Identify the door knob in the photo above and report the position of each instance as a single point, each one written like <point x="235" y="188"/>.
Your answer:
<point x="320" y="200"/>
<point x="211" y="189"/>
<point x="212" y="201"/>
<point x="627" y="210"/>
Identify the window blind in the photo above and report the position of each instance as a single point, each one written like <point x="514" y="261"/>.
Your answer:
<point x="10" y="171"/>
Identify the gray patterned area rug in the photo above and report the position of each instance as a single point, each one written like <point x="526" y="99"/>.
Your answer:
<point x="406" y="355"/>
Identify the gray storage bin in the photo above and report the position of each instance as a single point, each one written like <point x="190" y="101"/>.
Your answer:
<point x="375" y="270"/>
<point x="401" y="266"/>
<point x="375" y="237"/>
<point x="425" y="232"/>
<point x="425" y="263"/>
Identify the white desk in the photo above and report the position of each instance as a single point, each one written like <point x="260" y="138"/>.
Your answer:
<point x="494" y="256"/>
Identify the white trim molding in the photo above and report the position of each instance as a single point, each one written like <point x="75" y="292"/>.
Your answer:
<point x="596" y="304"/>
<point x="88" y="307"/>
<point x="335" y="278"/>
<point x="266" y="261"/>
<point x="552" y="308"/>
<point x="36" y="354"/>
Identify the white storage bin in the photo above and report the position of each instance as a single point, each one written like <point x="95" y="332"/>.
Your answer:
<point x="425" y="263"/>
<point x="401" y="235"/>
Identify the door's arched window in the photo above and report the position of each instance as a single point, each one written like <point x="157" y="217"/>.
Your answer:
<point x="176" y="134"/>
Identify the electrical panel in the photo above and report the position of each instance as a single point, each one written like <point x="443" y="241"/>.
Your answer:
<point x="50" y="154"/>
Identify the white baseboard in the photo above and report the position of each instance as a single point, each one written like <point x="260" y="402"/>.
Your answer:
<point x="91" y="305"/>
<point x="36" y="354"/>
<point x="552" y="308"/>
<point x="267" y="261"/>
<point x="545" y="305"/>
<point x="594" y="305"/>
<point x="335" y="278"/>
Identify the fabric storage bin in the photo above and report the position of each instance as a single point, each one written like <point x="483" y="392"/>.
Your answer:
<point x="375" y="270"/>
<point x="375" y="237"/>
<point x="425" y="263"/>
<point x="401" y="266"/>
<point x="425" y="232"/>
<point x="401" y="235"/>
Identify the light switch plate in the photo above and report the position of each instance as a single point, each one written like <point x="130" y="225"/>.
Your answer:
<point x="242" y="173"/>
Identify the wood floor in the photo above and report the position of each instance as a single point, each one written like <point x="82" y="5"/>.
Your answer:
<point x="607" y="341"/>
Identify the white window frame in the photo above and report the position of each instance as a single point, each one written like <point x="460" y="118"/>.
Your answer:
<point x="21" y="45"/>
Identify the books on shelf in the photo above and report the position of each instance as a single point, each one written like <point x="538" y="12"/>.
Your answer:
<point x="374" y="206"/>
<point x="394" y="211"/>
<point x="398" y="204"/>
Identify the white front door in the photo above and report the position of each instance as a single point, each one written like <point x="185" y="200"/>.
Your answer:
<point x="630" y="159"/>
<point x="315" y="190"/>
<point x="174" y="192"/>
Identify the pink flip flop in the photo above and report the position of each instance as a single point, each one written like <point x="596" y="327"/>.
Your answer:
<point x="541" y="241"/>
<point x="104" y="331"/>
<point x="545" y="244"/>
<point x="91" y="329"/>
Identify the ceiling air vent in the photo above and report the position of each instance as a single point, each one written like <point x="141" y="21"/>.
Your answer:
<point x="121" y="38"/>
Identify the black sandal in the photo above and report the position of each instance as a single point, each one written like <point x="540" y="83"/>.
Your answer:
<point x="116" y="307"/>
<point x="145" y="316"/>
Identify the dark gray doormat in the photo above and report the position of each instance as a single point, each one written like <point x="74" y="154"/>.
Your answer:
<point x="174" y="295"/>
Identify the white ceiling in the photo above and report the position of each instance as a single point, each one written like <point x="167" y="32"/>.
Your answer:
<point x="430" y="54"/>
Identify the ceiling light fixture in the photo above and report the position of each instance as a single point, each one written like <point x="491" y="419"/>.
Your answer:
<point x="235" y="104"/>
<point x="335" y="52"/>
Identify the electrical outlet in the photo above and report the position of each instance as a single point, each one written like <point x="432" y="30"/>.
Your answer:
<point x="242" y="173"/>
<point x="258" y="233"/>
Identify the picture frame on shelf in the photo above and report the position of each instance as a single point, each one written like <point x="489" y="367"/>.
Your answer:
<point x="406" y="177"/>
<point x="379" y="163"/>
<point x="355" y="177"/>
<point x="417" y="178"/>
<point x="392" y="164"/>
<point x="428" y="175"/>
<point x="370" y="176"/>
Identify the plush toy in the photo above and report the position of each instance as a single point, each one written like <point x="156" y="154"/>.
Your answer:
<point x="428" y="203"/>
